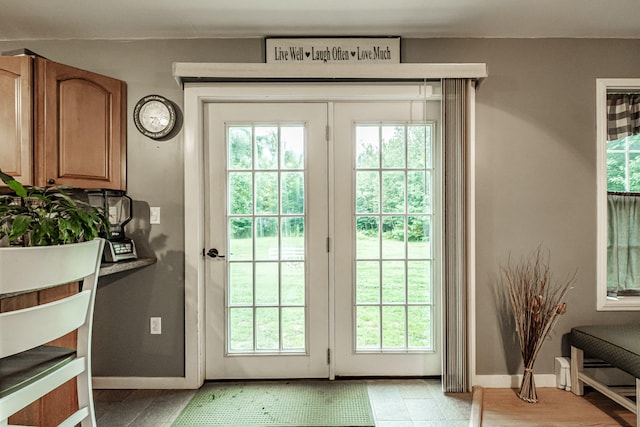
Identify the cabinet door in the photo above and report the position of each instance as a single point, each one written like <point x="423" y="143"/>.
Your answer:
<point x="81" y="128"/>
<point x="16" y="156"/>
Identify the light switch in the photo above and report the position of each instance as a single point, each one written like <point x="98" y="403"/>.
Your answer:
<point x="155" y="326"/>
<point x="154" y="215"/>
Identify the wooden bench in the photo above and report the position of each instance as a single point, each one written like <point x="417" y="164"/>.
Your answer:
<point x="617" y="345"/>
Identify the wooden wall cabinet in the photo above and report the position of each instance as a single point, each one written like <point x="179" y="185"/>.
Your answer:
<point x="61" y="125"/>
<point x="16" y="117"/>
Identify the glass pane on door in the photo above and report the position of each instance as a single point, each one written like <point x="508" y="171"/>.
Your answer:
<point x="393" y="235"/>
<point x="266" y="287"/>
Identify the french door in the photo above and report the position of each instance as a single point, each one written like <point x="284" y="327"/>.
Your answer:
<point x="267" y="299"/>
<point x="323" y="217"/>
<point x="386" y="232"/>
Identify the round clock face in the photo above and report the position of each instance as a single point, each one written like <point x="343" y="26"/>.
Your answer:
<point x="154" y="116"/>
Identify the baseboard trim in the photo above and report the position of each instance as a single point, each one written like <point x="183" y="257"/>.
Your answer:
<point x="493" y="381"/>
<point x="142" y="383"/>
<point x="513" y="381"/>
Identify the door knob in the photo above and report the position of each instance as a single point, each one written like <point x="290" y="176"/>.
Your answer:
<point x="213" y="253"/>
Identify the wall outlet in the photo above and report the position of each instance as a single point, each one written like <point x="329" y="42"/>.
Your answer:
<point x="156" y="325"/>
<point x="154" y="215"/>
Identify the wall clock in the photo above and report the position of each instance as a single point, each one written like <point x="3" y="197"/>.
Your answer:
<point x="154" y="116"/>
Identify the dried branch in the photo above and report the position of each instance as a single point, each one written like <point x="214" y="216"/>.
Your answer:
<point x="537" y="302"/>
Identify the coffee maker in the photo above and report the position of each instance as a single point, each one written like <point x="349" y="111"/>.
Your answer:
<point x="117" y="206"/>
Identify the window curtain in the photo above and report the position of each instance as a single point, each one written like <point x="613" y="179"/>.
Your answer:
<point x="623" y="245"/>
<point x="455" y="99"/>
<point x="623" y="210"/>
<point x="623" y="115"/>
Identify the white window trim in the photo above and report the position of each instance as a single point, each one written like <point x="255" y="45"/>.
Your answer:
<point x="603" y="302"/>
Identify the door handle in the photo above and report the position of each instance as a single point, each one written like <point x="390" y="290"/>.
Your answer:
<point x="213" y="253"/>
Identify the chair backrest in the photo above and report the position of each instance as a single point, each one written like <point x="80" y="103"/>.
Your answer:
<point x="24" y="270"/>
<point x="31" y="369"/>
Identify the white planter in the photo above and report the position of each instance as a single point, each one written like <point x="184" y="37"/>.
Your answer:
<point x="45" y="266"/>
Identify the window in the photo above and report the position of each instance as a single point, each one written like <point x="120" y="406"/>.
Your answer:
<point x="394" y="235"/>
<point x="266" y="223"/>
<point x="623" y="164"/>
<point x="618" y="179"/>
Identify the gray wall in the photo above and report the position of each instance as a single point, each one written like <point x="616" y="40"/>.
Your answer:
<point x="535" y="175"/>
<point x="536" y="172"/>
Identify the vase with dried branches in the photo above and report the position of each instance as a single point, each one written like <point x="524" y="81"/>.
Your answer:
<point x="537" y="302"/>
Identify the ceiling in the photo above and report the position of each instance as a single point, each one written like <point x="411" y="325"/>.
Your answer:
<point x="161" y="19"/>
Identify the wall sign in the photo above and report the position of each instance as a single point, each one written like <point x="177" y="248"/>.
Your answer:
<point x="383" y="50"/>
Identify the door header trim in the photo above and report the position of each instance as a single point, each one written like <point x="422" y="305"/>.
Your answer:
<point x="190" y="72"/>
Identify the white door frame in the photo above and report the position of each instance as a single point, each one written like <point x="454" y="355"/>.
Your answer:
<point x="197" y="94"/>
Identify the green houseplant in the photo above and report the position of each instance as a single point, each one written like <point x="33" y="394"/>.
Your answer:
<point x="34" y="216"/>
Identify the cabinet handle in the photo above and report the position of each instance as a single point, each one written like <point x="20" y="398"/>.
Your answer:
<point x="51" y="181"/>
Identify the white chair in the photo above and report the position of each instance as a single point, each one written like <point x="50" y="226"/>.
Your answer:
<point x="29" y="369"/>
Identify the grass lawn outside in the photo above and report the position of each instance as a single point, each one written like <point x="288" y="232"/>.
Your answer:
<point x="266" y="297"/>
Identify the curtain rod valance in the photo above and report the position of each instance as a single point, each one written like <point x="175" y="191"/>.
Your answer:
<point x="187" y="72"/>
<point x="623" y="193"/>
<point x="623" y="115"/>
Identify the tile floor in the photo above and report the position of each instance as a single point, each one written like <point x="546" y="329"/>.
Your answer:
<point x="395" y="403"/>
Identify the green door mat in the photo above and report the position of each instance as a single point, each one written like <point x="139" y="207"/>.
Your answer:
<point x="279" y="403"/>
